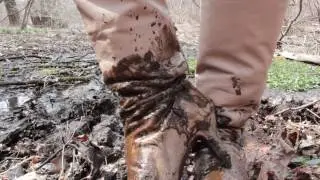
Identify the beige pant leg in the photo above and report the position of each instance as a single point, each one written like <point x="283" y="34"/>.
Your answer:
<point x="140" y="59"/>
<point x="237" y="41"/>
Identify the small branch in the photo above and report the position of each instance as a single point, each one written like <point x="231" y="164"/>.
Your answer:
<point x="10" y="158"/>
<point x="74" y="147"/>
<point x="24" y="56"/>
<point x="81" y="57"/>
<point x="55" y="154"/>
<point x="313" y="113"/>
<point x="42" y="82"/>
<point x="62" y="162"/>
<point x="1" y="21"/>
<point x="56" y="66"/>
<point x="292" y="21"/>
<point x="26" y="14"/>
<point x="195" y="3"/>
<point x="288" y="149"/>
<point x="18" y="164"/>
<point x="296" y="108"/>
<point x="49" y="159"/>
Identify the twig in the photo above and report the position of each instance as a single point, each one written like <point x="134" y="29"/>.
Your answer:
<point x="9" y="158"/>
<point x="68" y="143"/>
<point x="49" y="159"/>
<point x="62" y="162"/>
<point x="286" y="146"/>
<point x="47" y="82"/>
<point x="24" y="56"/>
<point x="73" y="161"/>
<point x="26" y="14"/>
<point x="74" y="147"/>
<point x="82" y="56"/>
<point x="57" y="152"/>
<point x="56" y="66"/>
<point x="13" y="14"/>
<point x="195" y="3"/>
<point x="296" y="108"/>
<point x="18" y="164"/>
<point x="301" y="125"/>
<point x="292" y="21"/>
<point x="313" y="113"/>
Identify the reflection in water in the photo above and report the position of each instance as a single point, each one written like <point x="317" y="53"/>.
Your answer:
<point x="11" y="103"/>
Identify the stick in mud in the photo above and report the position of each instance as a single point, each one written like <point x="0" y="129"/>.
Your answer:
<point x="296" y="108"/>
<point x="42" y="82"/>
<point x="24" y="56"/>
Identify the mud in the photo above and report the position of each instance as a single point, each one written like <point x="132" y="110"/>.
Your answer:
<point x="52" y="99"/>
<point x="59" y="96"/>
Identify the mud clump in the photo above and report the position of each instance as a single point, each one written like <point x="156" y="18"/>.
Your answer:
<point x="74" y="132"/>
<point x="79" y="119"/>
<point x="57" y="119"/>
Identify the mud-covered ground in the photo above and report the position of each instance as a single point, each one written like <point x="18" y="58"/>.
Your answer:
<point x="58" y="119"/>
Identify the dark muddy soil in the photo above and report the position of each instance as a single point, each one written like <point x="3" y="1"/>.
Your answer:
<point x="51" y="95"/>
<point x="58" y="119"/>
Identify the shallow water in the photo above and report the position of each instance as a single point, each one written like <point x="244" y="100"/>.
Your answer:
<point x="10" y="103"/>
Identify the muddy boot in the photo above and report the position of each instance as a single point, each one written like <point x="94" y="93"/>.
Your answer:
<point x="207" y="167"/>
<point x="157" y="146"/>
<point x="237" y="41"/>
<point x="141" y="61"/>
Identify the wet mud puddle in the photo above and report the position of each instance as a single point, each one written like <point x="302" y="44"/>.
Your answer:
<point x="11" y="103"/>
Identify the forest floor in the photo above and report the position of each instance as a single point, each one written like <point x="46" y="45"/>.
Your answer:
<point x="57" y="118"/>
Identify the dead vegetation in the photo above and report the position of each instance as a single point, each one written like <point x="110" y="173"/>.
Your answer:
<point x="288" y="137"/>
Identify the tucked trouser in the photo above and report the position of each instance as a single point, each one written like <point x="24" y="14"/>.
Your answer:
<point x="140" y="59"/>
<point x="164" y="114"/>
<point x="237" y="41"/>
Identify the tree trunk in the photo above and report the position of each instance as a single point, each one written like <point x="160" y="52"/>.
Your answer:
<point x="46" y="13"/>
<point x="26" y="14"/>
<point x="12" y="11"/>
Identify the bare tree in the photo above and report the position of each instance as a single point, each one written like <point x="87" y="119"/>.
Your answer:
<point x="317" y="6"/>
<point x="12" y="11"/>
<point x="26" y="14"/>
<point x="48" y="13"/>
<point x="292" y="21"/>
